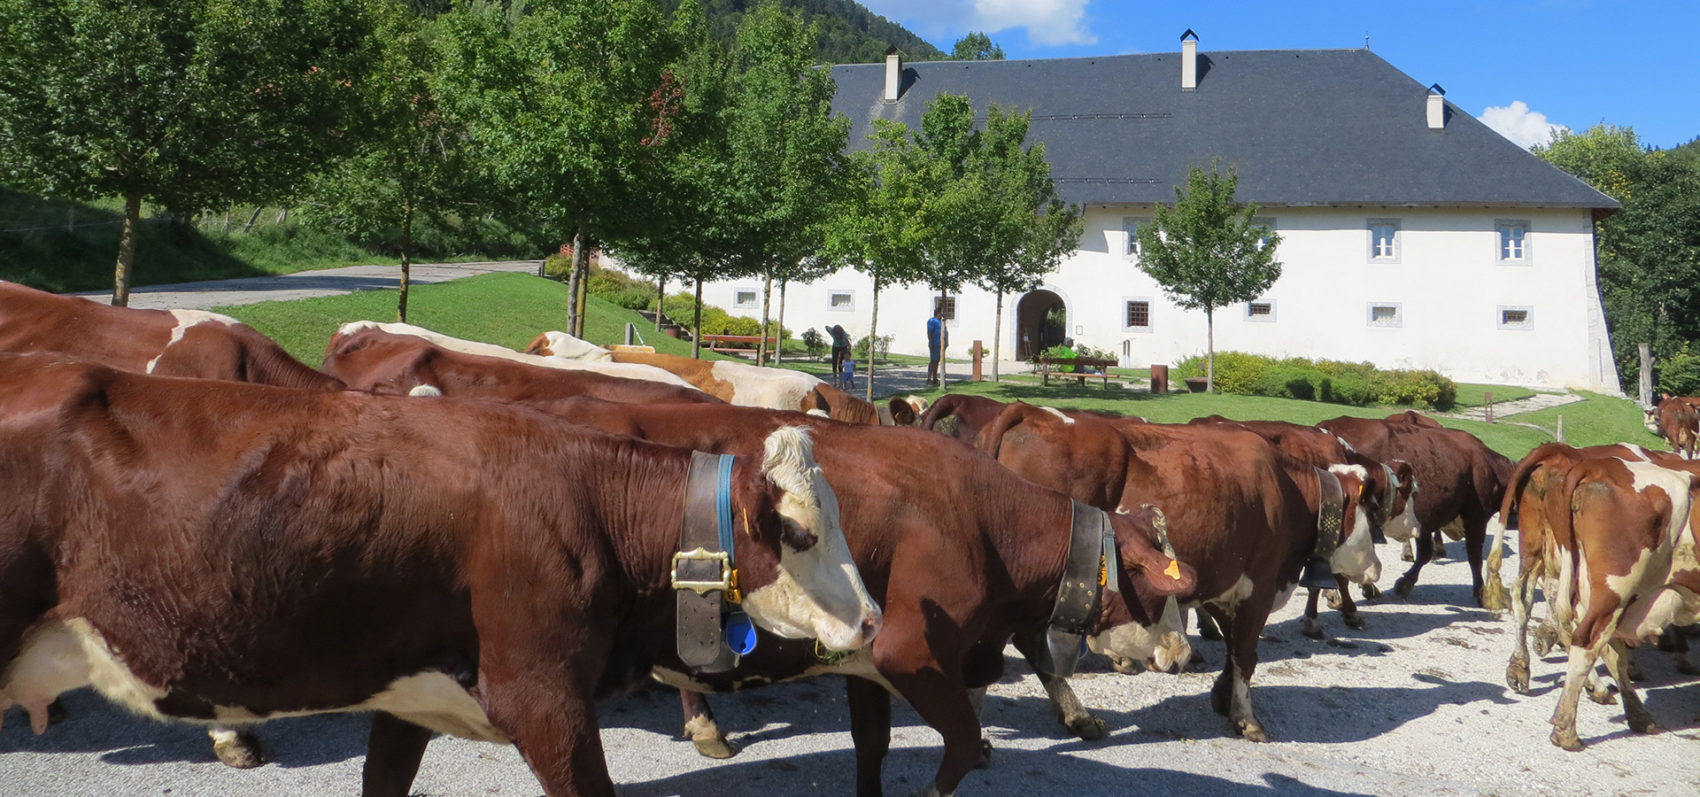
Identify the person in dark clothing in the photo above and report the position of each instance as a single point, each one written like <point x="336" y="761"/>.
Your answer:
<point x="840" y="347"/>
<point x="937" y="339"/>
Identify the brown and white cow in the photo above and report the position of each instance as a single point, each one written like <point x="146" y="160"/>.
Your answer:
<point x="1622" y="534"/>
<point x="592" y="358"/>
<point x="221" y="552"/>
<point x="1677" y="420"/>
<point x="165" y="342"/>
<point x="1387" y="495"/>
<point x="962" y="555"/>
<point x="372" y="359"/>
<point x="1460" y="481"/>
<point x="1236" y="513"/>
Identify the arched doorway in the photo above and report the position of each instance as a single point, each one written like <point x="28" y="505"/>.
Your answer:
<point x="1041" y="321"/>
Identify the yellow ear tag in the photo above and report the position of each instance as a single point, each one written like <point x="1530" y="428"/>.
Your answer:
<point x="1103" y="572"/>
<point x="1173" y="570"/>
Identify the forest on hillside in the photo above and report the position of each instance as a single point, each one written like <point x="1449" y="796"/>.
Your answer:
<point x="849" y="33"/>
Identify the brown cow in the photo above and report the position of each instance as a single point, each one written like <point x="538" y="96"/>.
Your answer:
<point x="371" y="359"/>
<point x="1235" y="512"/>
<point x="956" y="583"/>
<point x="1460" y="481"/>
<point x="164" y="342"/>
<point x="1677" y="420"/>
<point x="221" y="552"/>
<point x="961" y="417"/>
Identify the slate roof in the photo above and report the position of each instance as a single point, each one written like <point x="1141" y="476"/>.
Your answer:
<point x="1300" y="127"/>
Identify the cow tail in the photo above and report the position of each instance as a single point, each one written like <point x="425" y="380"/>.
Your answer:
<point x="991" y="438"/>
<point x="1494" y="597"/>
<point x="940" y="410"/>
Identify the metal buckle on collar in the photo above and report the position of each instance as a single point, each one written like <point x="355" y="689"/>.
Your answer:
<point x="728" y="577"/>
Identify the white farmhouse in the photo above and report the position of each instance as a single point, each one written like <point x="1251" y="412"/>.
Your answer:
<point x="1413" y="236"/>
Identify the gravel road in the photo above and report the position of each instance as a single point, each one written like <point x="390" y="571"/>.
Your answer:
<point x="1414" y="705"/>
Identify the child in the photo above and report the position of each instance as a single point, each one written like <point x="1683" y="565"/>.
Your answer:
<point x="847" y="377"/>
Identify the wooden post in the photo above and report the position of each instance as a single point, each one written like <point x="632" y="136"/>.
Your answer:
<point x="1560" y="433"/>
<point x="1646" y="351"/>
<point x="977" y="351"/>
<point x="1487" y="398"/>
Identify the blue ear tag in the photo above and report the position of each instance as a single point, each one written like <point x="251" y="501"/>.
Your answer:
<point x="740" y="634"/>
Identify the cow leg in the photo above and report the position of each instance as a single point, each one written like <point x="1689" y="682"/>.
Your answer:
<point x="1242" y="641"/>
<point x="236" y="747"/>
<point x="870" y="730"/>
<point x="701" y="728"/>
<point x="1425" y="552"/>
<point x="394" y="748"/>
<point x="1348" y="609"/>
<point x="1617" y="661"/>
<point x="1309" y="626"/>
<point x="1522" y="594"/>
<point x="1675" y="642"/>
<point x="1564" y="718"/>
<point x="1207" y="627"/>
<point x="942" y="701"/>
<point x="1406" y="552"/>
<point x="1369" y="591"/>
<point x="1475" y="539"/>
<point x="1073" y="714"/>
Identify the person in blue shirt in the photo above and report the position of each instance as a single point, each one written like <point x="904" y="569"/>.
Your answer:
<point x="937" y="339"/>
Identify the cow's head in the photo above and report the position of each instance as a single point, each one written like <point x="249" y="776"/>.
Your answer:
<point x="1145" y="623"/>
<point x="799" y="581"/>
<point x="1402" y="524"/>
<point x="1355" y="557"/>
<point x="560" y="344"/>
<point x="1650" y="419"/>
<point x="906" y="410"/>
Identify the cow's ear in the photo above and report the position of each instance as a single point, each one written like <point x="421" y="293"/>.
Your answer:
<point x="538" y="345"/>
<point x="1166" y="576"/>
<point x="902" y="412"/>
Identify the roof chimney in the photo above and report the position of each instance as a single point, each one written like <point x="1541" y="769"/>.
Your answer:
<point x="893" y="74"/>
<point x="1189" y="60"/>
<point x="1436" y="107"/>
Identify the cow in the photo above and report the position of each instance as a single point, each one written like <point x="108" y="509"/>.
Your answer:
<point x="165" y="342"/>
<point x="1387" y="496"/>
<point x="1245" y="516"/>
<point x="962" y="555"/>
<point x="221" y="552"/>
<point x="591" y="357"/>
<point x="1677" y="420"/>
<point x="961" y="416"/>
<point x="372" y="359"/>
<point x="1460" y="481"/>
<point x="1621" y="536"/>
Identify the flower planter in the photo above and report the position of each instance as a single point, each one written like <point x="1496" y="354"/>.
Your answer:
<point x="1197" y="384"/>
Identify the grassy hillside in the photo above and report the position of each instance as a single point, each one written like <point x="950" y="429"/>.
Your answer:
<point x="505" y="309"/>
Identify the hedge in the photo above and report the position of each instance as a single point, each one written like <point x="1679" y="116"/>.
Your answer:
<point x="1331" y="381"/>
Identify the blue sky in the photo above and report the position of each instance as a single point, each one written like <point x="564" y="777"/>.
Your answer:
<point x="1520" y="65"/>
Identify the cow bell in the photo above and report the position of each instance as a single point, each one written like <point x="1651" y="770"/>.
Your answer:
<point x="1060" y="654"/>
<point x="1318" y="574"/>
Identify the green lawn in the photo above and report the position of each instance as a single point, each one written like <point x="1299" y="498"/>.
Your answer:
<point x="1470" y="395"/>
<point x="506" y="309"/>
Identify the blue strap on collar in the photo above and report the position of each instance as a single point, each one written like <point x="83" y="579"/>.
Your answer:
<point x="723" y="503"/>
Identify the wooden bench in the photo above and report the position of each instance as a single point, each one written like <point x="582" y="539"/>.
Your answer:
<point x="709" y="342"/>
<point x="1047" y="367"/>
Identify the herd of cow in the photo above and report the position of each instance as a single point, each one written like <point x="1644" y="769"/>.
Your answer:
<point x="465" y="539"/>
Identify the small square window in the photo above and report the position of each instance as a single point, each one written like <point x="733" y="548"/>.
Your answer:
<point x="1516" y="318"/>
<point x="947" y="304"/>
<point x="1138" y="314"/>
<point x="1385" y="315"/>
<point x="1513" y="239"/>
<point x="1384" y="240"/>
<point x="1260" y="311"/>
<point x="744" y="298"/>
<point x="1130" y="226"/>
<point x="1263" y="240"/>
<point x="844" y="301"/>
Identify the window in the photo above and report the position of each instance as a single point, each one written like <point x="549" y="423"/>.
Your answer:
<point x="1263" y="240"/>
<point x="844" y="301"/>
<point x="947" y="304"/>
<point x="1130" y="226"/>
<point x="1262" y="310"/>
<point x="1384" y="240"/>
<point x="744" y="298"/>
<point x="1513" y="241"/>
<point x="1385" y="314"/>
<point x="1516" y="317"/>
<point x="1136" y="315"/>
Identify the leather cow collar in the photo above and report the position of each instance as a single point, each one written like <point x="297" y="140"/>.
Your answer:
<point x="1093" y="565"/>
<point x="705" y="574"/>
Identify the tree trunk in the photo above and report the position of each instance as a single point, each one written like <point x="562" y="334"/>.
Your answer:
<point x="660" y="294"/>
<point x="696" y="324"/>
<point x="126" y="250"/>
<point x="406" y="262"/>
<point x="873" y="336"/>
<point x="1645" y="377"/>
<point x="766" y="303"/>
<point x="997" y="336"/>
<point x="575" y="281"/>
<point x="249" y="227"/>
<point x="1210" y="350"/>
<point x="779" y="348"/>
<point x="943" y="340"/>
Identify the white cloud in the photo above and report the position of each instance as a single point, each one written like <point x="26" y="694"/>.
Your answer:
<point x="1524" y="127"/>
<point x="1048" y="22"/>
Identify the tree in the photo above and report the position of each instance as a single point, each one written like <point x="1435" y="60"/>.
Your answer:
<point x="189" y="104"/>
<point x="414" y="158"/>
<point x="1206" y="252"/>
<point x="784" y="150"/>
<point x="976" y="46"/>
<point x="576" y="108"/>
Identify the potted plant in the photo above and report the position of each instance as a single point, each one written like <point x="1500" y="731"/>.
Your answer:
<point x="1197" y="384"/>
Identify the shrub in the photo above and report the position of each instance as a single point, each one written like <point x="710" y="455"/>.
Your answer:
<point x="813" y="342"/>
<point x="1286" y="381"/>
<point x="1679" y="373"/>
<point x="882" y="348"/>
<point x="1333" y="381"/>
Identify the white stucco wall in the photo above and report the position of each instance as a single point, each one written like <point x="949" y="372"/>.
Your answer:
<point x="1447" y="281"/>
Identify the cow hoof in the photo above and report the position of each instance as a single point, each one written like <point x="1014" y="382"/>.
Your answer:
<point x="1567" y="740"/>
<point x="1354" y="620"/>
<point x="1311" y="628"/>
<point x="1089" y="728"/>
<point x="715" y="747"/>
<point x="1407" y="555"/>
<point x="1517" y="676"/>
<point x="985" y="759"/>
<point x="1404" y="586"/>
<point x="1333" y="598"/>
<point x="240" y="750"/>
<point x="1369" y="591"/>
<point x="1602" y="696"/>
<point x="1126" y="666"/>
<point x="1545" y="639"/>
<point x="932" y="790"/>
<point x="1252" y="732"/>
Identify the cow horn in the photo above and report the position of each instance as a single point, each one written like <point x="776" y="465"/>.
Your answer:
<point x="1161" y="524"/>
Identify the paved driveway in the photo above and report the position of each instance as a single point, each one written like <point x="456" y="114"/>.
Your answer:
<point x="302" y="284"/>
